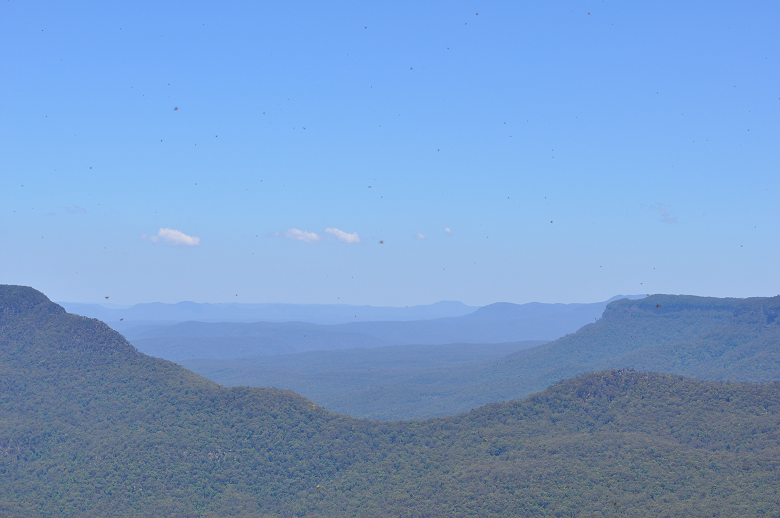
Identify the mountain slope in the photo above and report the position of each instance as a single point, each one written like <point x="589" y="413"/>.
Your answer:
<point x="91" y="427"/>
<point x="697" y="336"/>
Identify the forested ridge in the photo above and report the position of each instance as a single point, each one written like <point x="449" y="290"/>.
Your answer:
<point x="703" y="337"/>
<point x="91" y="427"/>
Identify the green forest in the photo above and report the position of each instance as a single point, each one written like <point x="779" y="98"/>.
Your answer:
<point x="91" y="427"/>
<point x="389" y="383"/>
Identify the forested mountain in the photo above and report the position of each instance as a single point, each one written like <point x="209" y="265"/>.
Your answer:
<point x="707" y="338"/>
<point x="91" y="427"/>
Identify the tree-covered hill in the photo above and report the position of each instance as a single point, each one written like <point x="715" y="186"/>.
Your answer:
<point x="91" y="427"/>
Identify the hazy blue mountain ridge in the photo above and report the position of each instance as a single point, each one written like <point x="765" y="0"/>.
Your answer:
<point x="269" y="312"/>
<point x="496" y="323"/>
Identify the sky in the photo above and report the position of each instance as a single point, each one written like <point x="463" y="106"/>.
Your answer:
<point x="389" y="153"/>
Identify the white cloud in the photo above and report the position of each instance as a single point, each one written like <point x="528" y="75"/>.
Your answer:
<point x="448" y="230"/>
<point x="173" y="238"/>
<point x="343" y="236"/>
<point x="301" y="235"/>
<point x="420" y="236"/>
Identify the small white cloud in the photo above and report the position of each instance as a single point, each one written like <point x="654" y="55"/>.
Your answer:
<point x="448" y="230"/>
<point x="343" y="236"/>
<point x="301" y="235"/>
<point x="173" y="238"/>
<point x="177" y="238"/>
<point x="75" y="209"/>
<point x="420" y="236"/>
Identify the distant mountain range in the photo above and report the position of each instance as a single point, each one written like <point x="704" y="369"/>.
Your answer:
<point x="91" y="427"/>
<point x="157" y="312"/>
<point x="707" y="338"/>
<point x="496" y="323"/>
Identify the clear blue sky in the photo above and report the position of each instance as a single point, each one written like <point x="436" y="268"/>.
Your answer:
<point x="574" y="150"/>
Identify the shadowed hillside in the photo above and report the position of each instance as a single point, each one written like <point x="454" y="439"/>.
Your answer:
<point x="91" y="427"/>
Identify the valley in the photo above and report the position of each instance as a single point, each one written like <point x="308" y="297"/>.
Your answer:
<point x="706" y="338"/>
